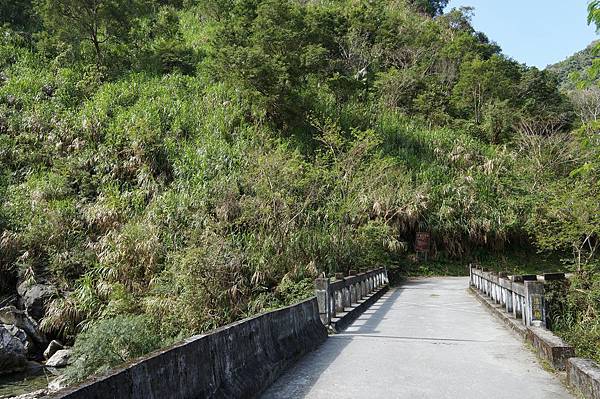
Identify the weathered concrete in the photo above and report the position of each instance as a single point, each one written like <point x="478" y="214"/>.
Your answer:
<point x="584" y="375"/>
<point x="235" y="361"/>
<point x="345" y="318"/>
<point x="427" y="339"/>
<point x="498" y="311"/>
<point x="550" y="347"/>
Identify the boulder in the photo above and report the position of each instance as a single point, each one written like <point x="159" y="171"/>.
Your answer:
<point x="59" y="359"/>
<point x="34" y="298"/>
<point x="52" y="348"/>
<point x="57" y="384"/>
<point x="14" y="345"/>
<point x="20" y="319"/>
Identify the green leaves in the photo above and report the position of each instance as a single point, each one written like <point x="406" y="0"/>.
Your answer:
<point x="594" y="12"/>
<point x="110" y="342"/>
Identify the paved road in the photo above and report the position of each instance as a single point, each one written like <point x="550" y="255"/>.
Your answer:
<point x="428" y="339"/>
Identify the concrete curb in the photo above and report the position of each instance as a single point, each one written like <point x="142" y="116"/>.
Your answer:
<point x="584" y="374"/>
<point x="498" y="311"/>
<point x="547" y="345"/>
<point x="340" y="323"/>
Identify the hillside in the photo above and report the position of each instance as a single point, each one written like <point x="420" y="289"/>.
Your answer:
<point x="181" y="165"/>
<point x="578" y="63"/>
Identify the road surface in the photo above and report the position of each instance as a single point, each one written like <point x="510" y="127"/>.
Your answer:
<point x="429" y="338"/>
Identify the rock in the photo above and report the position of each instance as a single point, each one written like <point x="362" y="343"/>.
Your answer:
<point x="59" y="359"/>
<point x="35" y="297"/>
<point x="52" y="348"/>
<point x="11" y="100"/>
<point x="18" y="318"/>
<point x="13" y="349"/>
<point x="57" y="384"/>
<point x="360" y="75"/>
<point x="48" y="90"/>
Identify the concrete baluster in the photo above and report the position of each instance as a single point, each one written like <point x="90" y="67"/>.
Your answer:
<point x="514" y="304"/>
<point x="471" y="275"/>
<point x="322" y="293"/>
<point x="535" y="307"/>
<point x="332" y="304"/>
<point x="348" y="297"/>
<point x="339" y="301"/>
<point x="509" y="301"/>
<point x="498" y="293"/>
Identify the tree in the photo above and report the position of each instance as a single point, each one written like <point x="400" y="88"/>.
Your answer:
<point x="430" y="7"/>
<point x="95" y="21"/>
<point x="481" y="81"/>
<point x="18" y="14"/>
<point x="587" y="103"/>
<point x="544" y="110"/>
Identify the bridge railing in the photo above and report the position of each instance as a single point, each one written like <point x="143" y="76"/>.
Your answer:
<point x="335" y="297"/>
<point x="522" y="296"/>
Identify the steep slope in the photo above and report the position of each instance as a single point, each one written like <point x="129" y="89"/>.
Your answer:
<point x="578" y="62"/>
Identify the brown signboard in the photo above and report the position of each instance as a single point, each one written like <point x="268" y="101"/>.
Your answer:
<point x="422" y="242"/>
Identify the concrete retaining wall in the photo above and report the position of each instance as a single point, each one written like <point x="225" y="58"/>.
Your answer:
<point x="235" y="361"/>
<point x="584" y="375"/>
<point x="550" y="347"/>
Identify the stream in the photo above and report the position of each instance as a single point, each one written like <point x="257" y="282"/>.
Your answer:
<point x="19" y="383"/>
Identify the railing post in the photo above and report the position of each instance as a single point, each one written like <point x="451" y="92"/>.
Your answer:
<point x="332" y="304"/>
<point x="503" y="291"/>
<point x="471" y="275"/>
<point x="535" y="308"/>
<point x="338" y="296"/>
<point x="322" y="293"/>
<point x="362" y="285"/>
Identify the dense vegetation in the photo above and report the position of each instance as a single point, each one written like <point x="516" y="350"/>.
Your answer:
<point x="570" y="70"/>
<point x="171" y="166"/>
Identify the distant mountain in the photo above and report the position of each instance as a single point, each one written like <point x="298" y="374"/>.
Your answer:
<point x="578" y="62"/>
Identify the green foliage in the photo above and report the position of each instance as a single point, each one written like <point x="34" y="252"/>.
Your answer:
<point x="578" y="321"/>
<point x="18" y="14"/>
<point x="575" y="68"/>
<point x="179" y="166"/>
<point x="430" y="7"/>
<point x="111" y="342"/>
<point x="94" y="22"/>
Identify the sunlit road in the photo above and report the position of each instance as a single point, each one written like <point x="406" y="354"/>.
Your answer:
<point x="427" y="339"/>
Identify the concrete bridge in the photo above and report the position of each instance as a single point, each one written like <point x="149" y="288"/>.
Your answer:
<point x="428" y="338"/>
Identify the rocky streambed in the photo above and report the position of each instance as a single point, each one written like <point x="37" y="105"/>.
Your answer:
<point x="30" y="363"/>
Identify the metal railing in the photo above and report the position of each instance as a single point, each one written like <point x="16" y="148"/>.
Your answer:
<point x="338" y="296"/>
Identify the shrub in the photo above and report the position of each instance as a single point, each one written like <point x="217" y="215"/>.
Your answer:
<point x="110" y="342"/>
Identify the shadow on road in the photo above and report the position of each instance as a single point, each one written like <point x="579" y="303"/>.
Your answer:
<point x="298" y="381"/>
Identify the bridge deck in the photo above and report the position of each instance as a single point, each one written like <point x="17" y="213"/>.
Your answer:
<point x="427" y="339"/>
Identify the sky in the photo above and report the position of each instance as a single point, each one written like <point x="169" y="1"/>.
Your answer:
<point x="535" y="32"/>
